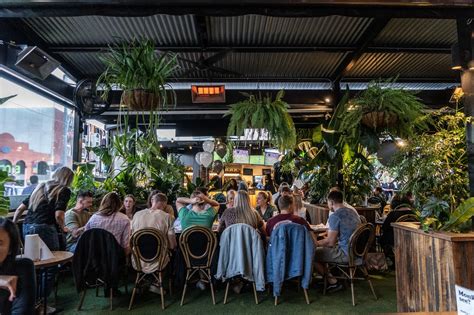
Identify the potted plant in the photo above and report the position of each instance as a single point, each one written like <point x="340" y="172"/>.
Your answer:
<point x="4" y="201"/>
<point x="434" y="255"/>
<point x="382" y="110"/>
<point x="264" y="116"/>
<point x="141" y="73"/>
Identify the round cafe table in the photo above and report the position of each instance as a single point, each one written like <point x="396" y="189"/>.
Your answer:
<point x="43" y="266"/>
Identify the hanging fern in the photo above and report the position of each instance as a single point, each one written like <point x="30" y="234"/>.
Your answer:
<point x="263" y="115"/>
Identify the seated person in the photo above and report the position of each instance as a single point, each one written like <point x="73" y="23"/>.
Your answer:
<point x="287" y="205"/>
<point x="335" y="247"/>
<point x="33" y="183"/>
<point x="276" y="195"/>
<point x="284" y="191"/>
<point x="400" y="206"/>
<point x="300" y="209"/>
<point x="129" y="208"/>
<point x="76" y="219"/>
<point x="265" y="208"/>
<point x="155" y="217"/>
<point x="109" y="218"/>
<point x="17" y="276"/>
<point x="168" y="208"/>
<point x="202" y="211"/>
<point x="242" y="212"/>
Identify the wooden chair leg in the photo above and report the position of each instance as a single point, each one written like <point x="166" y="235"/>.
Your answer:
<point x="226" y="291"/>
<point x="185" y="286"/>
<point x="276" y="300"/>
<point x="161" y="291"/>
<point x="96" y="288"/>
<point x="212" y="287"/>
<point x="134" y="292"/>
<point x="366" y="275"/>
<point x="306" y="296"/>
<point x="83" y="295"/>
<point x="351" y="274"/>
<point x="255" y="293"/>
<point x="111" y="298"/>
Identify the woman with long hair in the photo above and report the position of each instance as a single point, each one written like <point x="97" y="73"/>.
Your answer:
<point x="17" y="276"/>
<point x="109" y="218"/>
<point x="242" y="212"/>
<point x="46" y="208"/>
<point x="129" y="203"/>
<point x="265" y="207"/>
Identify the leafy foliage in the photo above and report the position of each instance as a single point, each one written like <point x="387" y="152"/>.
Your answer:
<point x="397" y="104"/>
<point x="435" y="164"/>
<point x="138" y="66"/>
<point x="4" y="201"/>
<point x="262" y="114"/>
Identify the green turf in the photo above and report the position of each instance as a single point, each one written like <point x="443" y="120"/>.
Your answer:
<point x="199" y="302"/>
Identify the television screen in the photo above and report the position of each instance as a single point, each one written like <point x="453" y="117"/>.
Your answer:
<point x="241" y="156"/>
<point x="257" y="159"/>
<point x="271" y="158"/>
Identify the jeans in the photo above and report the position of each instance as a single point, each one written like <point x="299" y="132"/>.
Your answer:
<point x="24" y="303"/>
<point x="49" y="235"/>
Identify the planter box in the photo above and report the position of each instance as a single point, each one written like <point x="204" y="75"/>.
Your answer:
<point x="428" y="265"/>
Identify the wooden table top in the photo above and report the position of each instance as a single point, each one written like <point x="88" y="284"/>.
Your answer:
<point x="60" y="257"/>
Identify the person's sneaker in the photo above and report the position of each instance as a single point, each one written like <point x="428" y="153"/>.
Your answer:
<point x="156" y="289"/>
<point x="334" y="287"/>
<point x="201" y="285"/>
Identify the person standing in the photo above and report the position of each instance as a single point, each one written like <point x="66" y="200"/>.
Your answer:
<point x="76" y="219"/>
<point x="269" y="184"/>
<point x="30" y="188"/>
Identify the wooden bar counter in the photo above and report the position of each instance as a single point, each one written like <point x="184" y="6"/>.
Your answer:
<point x="428" y="265"/>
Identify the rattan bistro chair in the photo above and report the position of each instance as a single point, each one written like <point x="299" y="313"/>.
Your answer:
<point x="408" y="218"/>
<point x="359" y="244"/>
<point x="198" y="245"/>
<point x="149" y="246"/>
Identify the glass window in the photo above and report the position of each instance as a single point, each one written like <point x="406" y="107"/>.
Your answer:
<point x="36" y="136"/>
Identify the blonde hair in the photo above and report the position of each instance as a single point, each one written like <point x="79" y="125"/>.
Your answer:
<point x="110" y="204"/>
<point x="298" y="201"/>
<point x="268" y="197"/>
<point x="61" y="179"/>
<point x="244" y="213"/>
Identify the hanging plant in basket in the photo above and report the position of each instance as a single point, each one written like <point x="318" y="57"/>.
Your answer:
<point x="141" y="73"/>
<point x="264" y="117"/>
<point x="381" y="110"/>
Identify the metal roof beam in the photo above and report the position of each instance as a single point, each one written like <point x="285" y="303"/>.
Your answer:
<point x="284" y="8"/>
<point x="267" y="49"/>
<point x="372" y="31"/>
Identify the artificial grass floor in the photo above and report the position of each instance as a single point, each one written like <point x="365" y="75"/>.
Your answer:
<point x="199" y="302"/>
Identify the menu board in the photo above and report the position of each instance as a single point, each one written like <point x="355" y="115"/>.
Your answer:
<point x="271" y="158"/>
<point x="257" y="159"/>
<point x="241" y="156"/>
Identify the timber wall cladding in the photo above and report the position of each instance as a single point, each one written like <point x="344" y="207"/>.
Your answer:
<point x="428" y="265"/>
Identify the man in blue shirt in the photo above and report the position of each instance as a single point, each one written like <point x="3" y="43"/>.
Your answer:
<point x="33" y="183"/>
<point x="335" y="247"/>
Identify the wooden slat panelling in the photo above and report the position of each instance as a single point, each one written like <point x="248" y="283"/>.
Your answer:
<point x="428" y="265"/>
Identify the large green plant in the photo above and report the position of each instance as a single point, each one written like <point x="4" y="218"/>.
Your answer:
<point x="4" y="201"/>
<point x="137" y="65"/>
<point x="433" y="166"/>
<point x="401" y="109"/>
<point x="264" y="115"/>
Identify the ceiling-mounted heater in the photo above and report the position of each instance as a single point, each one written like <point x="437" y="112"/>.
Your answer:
<point x="36" y="63"/>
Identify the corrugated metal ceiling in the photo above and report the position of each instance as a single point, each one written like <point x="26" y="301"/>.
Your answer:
<point x="406" y="65"/>
<point x="267" y="30"/>
<point x="102" y="30"/>
<point x="418" y="32"/>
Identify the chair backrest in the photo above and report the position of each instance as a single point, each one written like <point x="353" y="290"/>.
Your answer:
<point x="98" y="254"/>
<point x="408" y="218"/>
<point x="360" y="242"/>
<point x="149" y="246"/>
<point x="363" y="220"/>
<point x="198" y="245"/>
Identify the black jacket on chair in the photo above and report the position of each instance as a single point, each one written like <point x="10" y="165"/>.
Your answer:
<point x="98" y="256"/>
